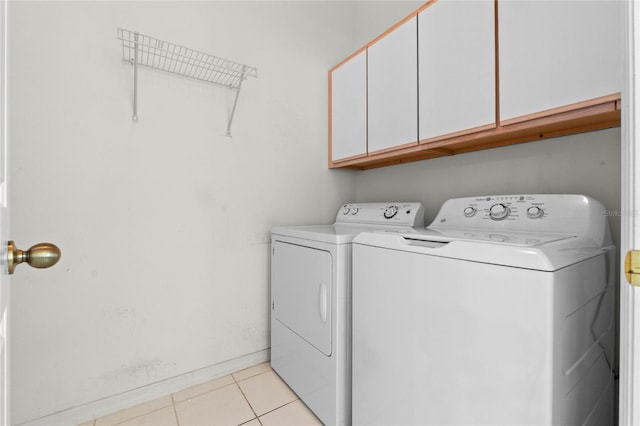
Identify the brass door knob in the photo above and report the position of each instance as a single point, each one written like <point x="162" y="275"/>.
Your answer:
<point x="43" y="255"/>
<point x="632" y="267"/>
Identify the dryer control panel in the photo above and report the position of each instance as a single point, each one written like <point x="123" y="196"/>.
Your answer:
<point x="400" y="214"/>
<point x="569" y="214"/>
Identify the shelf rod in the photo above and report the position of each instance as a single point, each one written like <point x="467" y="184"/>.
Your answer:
<point x="135" y="79"/>
<point x="235" y="101"/>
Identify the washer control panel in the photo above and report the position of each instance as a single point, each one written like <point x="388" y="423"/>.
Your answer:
<point x="562" y="213"/>
<point x="401" y="214"/>
<point x="504" y="207"/>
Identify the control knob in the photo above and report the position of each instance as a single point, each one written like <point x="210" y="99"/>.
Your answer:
<point x="499" y="212"/>
<point x="345" y="209"/>
<point x="534" y="212"/>
<point x="390" y="212"/>
<point x="354" y="210"/>
<point x="469" y="211"/>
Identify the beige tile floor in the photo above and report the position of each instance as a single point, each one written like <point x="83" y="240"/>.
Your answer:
<point x="252" y="397"/>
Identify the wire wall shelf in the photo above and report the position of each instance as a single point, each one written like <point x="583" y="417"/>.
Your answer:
<point x="142" y="50"/>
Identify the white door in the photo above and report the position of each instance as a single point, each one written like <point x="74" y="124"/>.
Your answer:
<point x="41" y="255"/>
<point x="630" y="238"/>
<point x="4" y="226"/>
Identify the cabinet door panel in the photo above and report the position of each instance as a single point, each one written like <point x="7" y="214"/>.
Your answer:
<point x="456" y="57"/>
<point x="555" y="53"/>
<point x="349" y="108"/>
<point x="393" y="88"/>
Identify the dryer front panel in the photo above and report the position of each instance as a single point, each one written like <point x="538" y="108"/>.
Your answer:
<point x="301" y="292"/>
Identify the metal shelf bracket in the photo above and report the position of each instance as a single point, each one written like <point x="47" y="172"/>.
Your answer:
<point x="142" y="50"/>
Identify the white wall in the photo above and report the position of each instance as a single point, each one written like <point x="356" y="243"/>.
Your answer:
<point x="374" y="17"/>
<point x="164" y="224"/>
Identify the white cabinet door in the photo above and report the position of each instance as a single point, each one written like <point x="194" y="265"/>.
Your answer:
<point x="555" y="53"/>
<point x="456" y="57"/>
<point x="349" y="108"/>
<point x="393" y="88"/>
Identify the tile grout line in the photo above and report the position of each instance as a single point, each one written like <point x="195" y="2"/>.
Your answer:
<point x="270" y="411"/>
<point x="201" y="393"/>
<point x="246" y="399"/>
<point x="233" y="375"/>
<point x="140" y="414"/>
<point x="173" y="401"/>
<point x="175" y="410"/>
<point x="282" y="406"/>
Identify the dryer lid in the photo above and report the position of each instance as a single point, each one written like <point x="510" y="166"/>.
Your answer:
<point x="330" y="234"/>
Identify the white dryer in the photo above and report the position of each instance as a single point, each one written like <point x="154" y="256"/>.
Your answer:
<point x="501" y="312"/>
<point x="311" y="303"/>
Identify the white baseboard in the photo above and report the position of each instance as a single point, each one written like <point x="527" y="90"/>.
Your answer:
<point x="111" y="404"/>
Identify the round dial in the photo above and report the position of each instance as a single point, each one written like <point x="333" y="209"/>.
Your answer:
<point x="354" y="210"/>
<point x="499" y="212"/>
<point x="469" y="211"/>
<point x="345" y="209"/>
<point x="534" y="212"/>
<point x="390" y="212"/>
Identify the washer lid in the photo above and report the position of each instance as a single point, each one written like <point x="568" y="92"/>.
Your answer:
<point x="543" y="252"/>
<point x="483" y="236"/>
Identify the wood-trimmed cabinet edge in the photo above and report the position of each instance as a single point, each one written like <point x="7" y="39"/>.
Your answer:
<point x="589" y="115"/>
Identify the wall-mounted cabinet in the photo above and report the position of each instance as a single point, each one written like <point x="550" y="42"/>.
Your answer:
<point x="393" y="89"/>
<point x="557" y="53"/>
<point x="486" y="74"/>
<point x="348" y="113"/>
<point x="456" y="62"/>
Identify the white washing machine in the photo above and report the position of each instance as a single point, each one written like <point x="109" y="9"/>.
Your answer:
<point x="311" y="303"/>
<point x="501" y="312"/>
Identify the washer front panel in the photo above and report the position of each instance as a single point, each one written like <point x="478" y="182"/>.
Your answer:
<point x="480" y="343"/>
